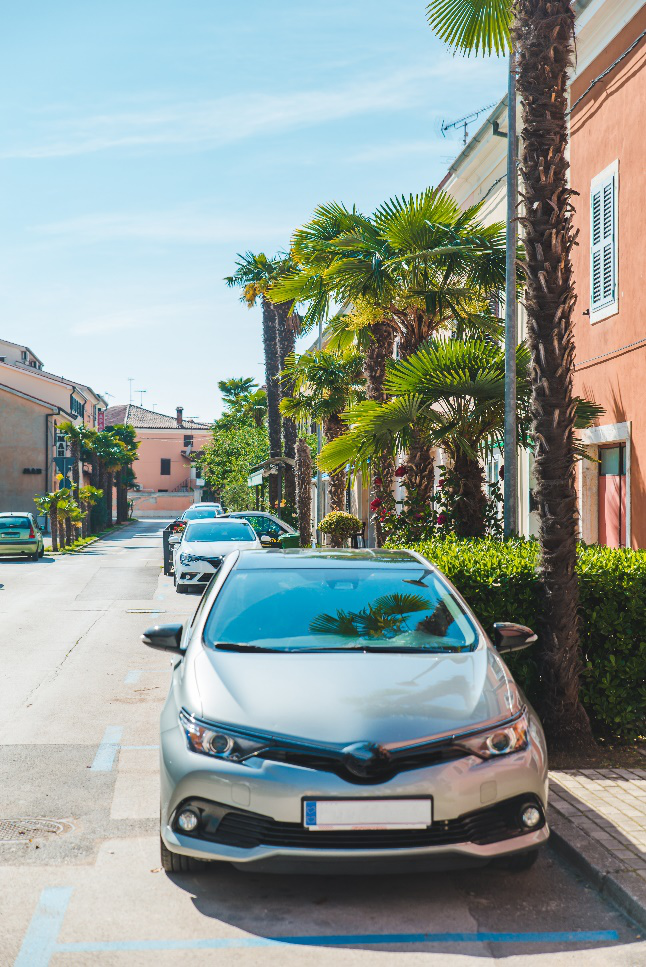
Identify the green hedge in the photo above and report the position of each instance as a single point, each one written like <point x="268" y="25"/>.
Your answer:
<point x="499" y="581"/>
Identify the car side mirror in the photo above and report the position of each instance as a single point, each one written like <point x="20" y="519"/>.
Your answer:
<point x="164" y="637"/>
<point x="512" y="637"/>
<point x="266" y="540"/>
<point x="175" y="539"/>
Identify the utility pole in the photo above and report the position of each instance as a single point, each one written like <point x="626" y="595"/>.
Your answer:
<point x="511" y="313"/>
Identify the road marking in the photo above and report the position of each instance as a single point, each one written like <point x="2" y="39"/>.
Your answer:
<point x="220" y="943"/>
<point x="105" y="756"/>
<point x="40" y="939"/>
<point x="132" y="678"/>
<point x="129" y="748"/>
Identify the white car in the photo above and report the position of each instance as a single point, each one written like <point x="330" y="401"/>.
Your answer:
<point x="202" y="547"/>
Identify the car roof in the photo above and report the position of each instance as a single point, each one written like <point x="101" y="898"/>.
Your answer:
<point x="210" y="521"/>
<point x="296" y="557"/>
<point x="16" y="513"/>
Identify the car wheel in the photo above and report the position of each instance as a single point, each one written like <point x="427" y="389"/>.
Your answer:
<point x="34" y="557"/>
<point x="518" y="863"/>
<point x="176" y="863"/>
<point x="41" y="552"/>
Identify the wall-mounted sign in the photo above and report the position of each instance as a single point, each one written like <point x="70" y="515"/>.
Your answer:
<point x="100" y="420"/>
<point x="32" y="470"/>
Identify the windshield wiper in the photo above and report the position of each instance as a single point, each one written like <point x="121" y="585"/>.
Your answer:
<point x="235" y="646"/>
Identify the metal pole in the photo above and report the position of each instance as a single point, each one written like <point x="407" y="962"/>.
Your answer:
<point x="511" y="313"/>
<point x="319" y="446"/>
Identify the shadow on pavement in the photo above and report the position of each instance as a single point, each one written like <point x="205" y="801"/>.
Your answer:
<point x="544" y="909"/>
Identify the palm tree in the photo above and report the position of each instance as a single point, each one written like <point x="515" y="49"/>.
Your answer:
<point x="542" y="33"/>
<point x="48" y="504"/>
<point x="325" y="383"/>
<point x="450" y="394"/>
<point x="88" y="498"/>
<point x="110" y="456"/>
<point x="126" y="435"/>
<point x="303" y="475"/>
<point x="76" y="434"/>
<point x="419" y="264"/>
<point x="244" y="399"/>
<point x="255" y="274"/>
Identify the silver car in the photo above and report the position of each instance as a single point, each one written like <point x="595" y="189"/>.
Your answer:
<point x="345" y="711"/>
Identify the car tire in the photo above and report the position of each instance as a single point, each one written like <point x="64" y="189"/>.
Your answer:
<point x="34" y="556"/>
<point x="41" y="552"/>
<point x="176" y="863"/>
<point x="519" y="862"/>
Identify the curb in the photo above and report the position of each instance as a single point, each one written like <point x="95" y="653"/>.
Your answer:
<point x="94" y="539"/>
<point x="614" y="880"/>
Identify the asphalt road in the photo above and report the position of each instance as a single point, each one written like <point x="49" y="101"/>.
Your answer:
<point x="78" y="752"/>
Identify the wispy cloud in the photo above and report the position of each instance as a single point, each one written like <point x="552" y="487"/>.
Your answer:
<point x="146" y="317"/>
<point x="179" y="226"/>
<point x="235" y="118"/>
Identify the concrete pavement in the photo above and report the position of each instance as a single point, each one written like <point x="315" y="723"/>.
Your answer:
<point x="78" y="755"/>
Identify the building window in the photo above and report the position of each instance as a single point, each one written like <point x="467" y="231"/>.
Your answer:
<point x="76" y="407"/>
<point x="188" y="441"/>
<point x="165" y="467"/>
<point x="24" y="356"/>
<point x="603" y="244"/>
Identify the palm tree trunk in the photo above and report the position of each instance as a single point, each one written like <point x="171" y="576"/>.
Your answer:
<point x="68" y="530"/>
<point x="272" y="369"/>
<point x="109" y="485"/>
<point x="53" y="525"/>
<point x="470" y="499"/>
<point x="118" y="482"/>
<point x="286" y="332"/>
<point x="62" y="537"/>
<point x="75" y="449"/>
<point x="332" y="428"/>
<point x="543" y="36"/>
<point x="420" y="479"/>
<point x="84" y="520"/>
<point x="378" y="353"/>
<point x="304" y="491"/>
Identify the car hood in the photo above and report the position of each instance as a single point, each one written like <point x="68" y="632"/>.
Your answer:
<point x="216" y="548"/>
<point x="341" y="698"/>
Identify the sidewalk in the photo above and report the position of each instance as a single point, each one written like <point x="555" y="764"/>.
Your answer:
<point x="598" y="820"/>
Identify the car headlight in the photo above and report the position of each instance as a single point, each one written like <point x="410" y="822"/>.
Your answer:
<point x="502" y="740"/>
<point x="188" y="558"/>
<point x="211" y="740"/>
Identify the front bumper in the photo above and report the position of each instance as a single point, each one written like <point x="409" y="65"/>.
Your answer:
<point x="197" y="574"/>
<point x="263" y="790"/>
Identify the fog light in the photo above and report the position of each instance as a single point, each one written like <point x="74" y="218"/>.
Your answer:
<point x="187" y="820"/>
<point x="530" y="817"/>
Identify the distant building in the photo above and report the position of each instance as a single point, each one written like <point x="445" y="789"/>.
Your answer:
<point x="166" y="480"/>
<point x="33" y="404"/>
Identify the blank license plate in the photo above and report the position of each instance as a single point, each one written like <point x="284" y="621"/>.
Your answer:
<point x="368" y="813"/>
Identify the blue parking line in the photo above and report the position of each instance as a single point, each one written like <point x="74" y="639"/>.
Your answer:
<point x="130" y="748"/>
<point x="132" y="678"/>
<point x="105" y="756"/>
<point x="40" y="939"/>
<point x="347" y="940"/>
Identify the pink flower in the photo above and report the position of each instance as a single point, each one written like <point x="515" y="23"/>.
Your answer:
<point x="440" y="482"/>
<point x="401" y="471"/>
<point x="441" y="519"/>
<point x="378" y="482"/>
<point x="376" y="503"/>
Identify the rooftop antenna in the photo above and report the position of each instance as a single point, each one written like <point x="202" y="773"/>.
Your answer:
<point x="131" y="380"/>
<point x="108" y="394"/>
<point x="464" y="122"/>
<point x="141" y="397"/>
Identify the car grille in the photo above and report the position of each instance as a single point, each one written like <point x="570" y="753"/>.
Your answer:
<point x="247" y="830"/>
<point x="323" y="763"/>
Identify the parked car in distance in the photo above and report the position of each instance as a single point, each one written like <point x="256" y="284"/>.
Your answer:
<point x="20" y="536"/>
<point x="197" y="512"/>
<point x="264" y="524"/>
<point x="359" y="712"/>
<point x="203" y="545"/>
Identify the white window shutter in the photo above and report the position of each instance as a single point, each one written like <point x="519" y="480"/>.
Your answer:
<point x="603" y="254"/>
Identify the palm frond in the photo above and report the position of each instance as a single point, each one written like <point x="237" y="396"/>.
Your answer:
<point x="471" y="26"/>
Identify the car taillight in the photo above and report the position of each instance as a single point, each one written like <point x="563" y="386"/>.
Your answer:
<point x="32" y="532"/>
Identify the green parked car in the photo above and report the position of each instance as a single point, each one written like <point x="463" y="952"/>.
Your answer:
<point x="20" y="536"/>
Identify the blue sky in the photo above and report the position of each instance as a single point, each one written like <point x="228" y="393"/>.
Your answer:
<point x="146" y="143"/>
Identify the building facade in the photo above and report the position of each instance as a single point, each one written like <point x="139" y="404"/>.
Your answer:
<point x="608" y="114"/>
<point x="33" y="404"/>
<point x="166" y="480"/>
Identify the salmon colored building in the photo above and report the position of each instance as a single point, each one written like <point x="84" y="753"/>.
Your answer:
<point x="608" y="170"/>
<point x="166" y="480"/>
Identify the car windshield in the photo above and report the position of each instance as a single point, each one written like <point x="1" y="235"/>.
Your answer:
<point x="398" y="608"/>
<point x="219" y="531"/>
<point x="10" y="522"/>
<point x="201" y="513"/>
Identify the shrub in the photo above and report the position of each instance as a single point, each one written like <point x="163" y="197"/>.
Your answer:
<point x="340" y="525"/>
<point x="499" y="581"/>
